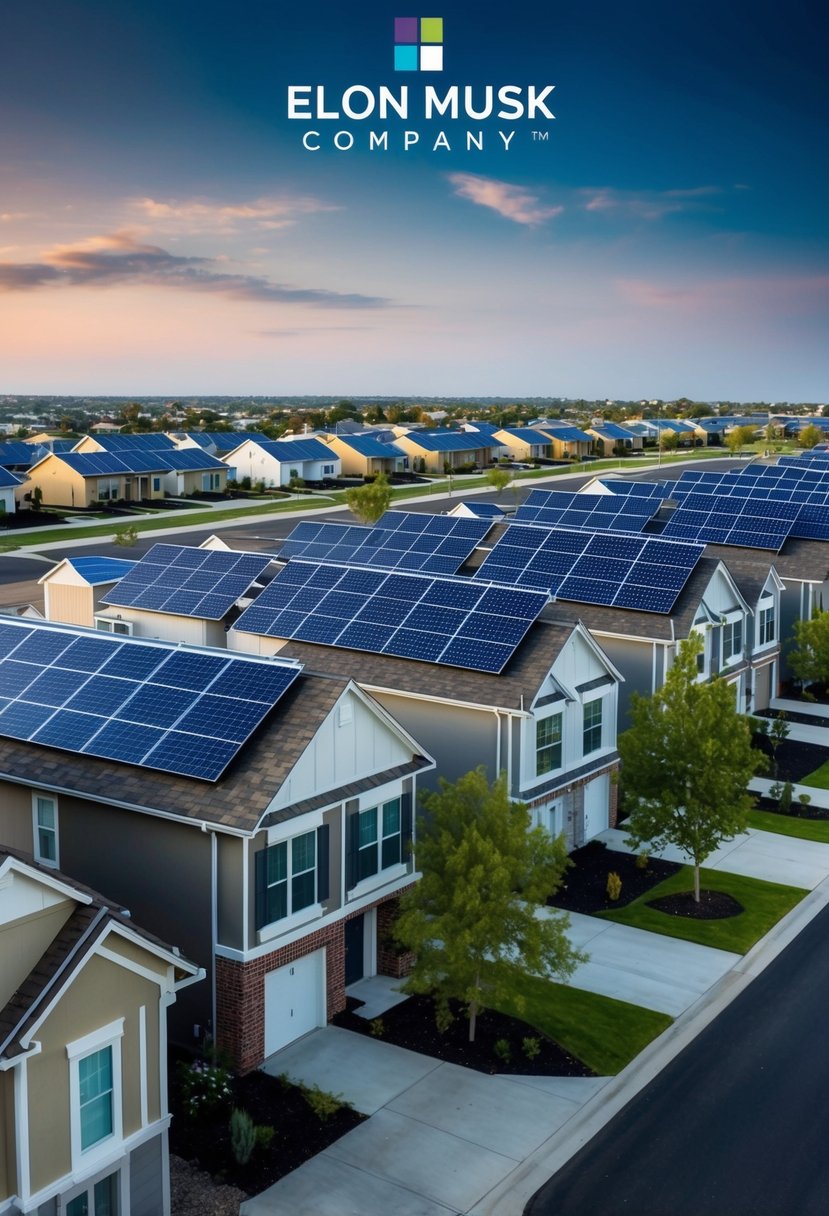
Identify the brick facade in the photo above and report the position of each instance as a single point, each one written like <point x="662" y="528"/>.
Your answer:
<point x="240" y="987"/>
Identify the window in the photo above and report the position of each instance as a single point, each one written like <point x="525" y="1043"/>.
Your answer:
<point x="327" y="470"/>
<point x="291" y="875"/>
<point x="548" y="744"/>
<point x="732" y="640"/>
<point x="375" y="840"/>
<point x="108" y="624"/>
<point x="98" y="1199"/>
<point x="367" y="863"/>
<point x="95" y="1095"/>
<point x="592" y="726"/>
<point x="156" y="484"/>
<point x="211" y="481"/>
<point x="767" y="632"/>
<point x="107" y="489"/>
<point x="45" y="830"/>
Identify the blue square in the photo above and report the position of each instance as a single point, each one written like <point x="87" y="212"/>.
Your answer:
<point x="405" y="59"/>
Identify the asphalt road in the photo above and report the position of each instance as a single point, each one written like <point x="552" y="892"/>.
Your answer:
<point x="736" y="1125"/>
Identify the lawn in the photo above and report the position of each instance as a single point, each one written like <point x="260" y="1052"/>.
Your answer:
<point x="819" y="778"/>
<point x="790" y="825"/>
<point x="764" y="904"/>
<point x="603" y="1033"/>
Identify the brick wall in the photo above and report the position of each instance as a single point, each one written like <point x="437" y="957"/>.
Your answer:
<point x="391" y="960"/>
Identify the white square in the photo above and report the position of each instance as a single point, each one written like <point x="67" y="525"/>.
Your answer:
<point x="431" y="59"/>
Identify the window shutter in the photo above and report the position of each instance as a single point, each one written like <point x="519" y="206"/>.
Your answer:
<point x="260" y="887"/>
<point x="405" y="826"/>
<point x="323" y="880"/>
<point x="352" y="839"/>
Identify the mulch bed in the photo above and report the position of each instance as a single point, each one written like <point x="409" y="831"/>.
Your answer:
<point x="585" y="883"/>
<point x="798" y="811"/>
<point x="411" y="1024"/>
<point x="299" y="1134"/>
<point x="713" y="905"/>
<point x="796" y="760"/>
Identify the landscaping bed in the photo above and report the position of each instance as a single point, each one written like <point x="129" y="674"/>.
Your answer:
<point x="203" y="1140"/>
<point x="797" y="760"/>
<point x="713" y="905"/>
<point x="412" y="1025"/>
<point x="585" y="882"/>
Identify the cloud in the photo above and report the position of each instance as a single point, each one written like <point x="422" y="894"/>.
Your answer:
<point x="6" y="217"/>
<point x="512" y="202"/>
<point x="203" y="215"/>
<point x="119" y="259"/>
<point x="647" y="205"/>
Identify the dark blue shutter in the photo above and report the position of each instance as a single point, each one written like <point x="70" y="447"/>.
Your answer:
<point x="405" y="827"/>
<point x="352" y="840"/>
<point x="261" y="887"/>
<point x="323" y="880"/>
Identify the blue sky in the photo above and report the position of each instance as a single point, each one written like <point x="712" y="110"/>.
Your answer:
<point x="162" y="229"/>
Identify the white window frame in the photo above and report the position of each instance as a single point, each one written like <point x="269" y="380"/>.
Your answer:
<point x="111" y="624"/>
<point x="54" y="862"/>
<point x="107" y="483"/>
<point x="730" y="623"/>
<point x="556" y="768"/>
<point x="585" y="706"/>
<point x="106" y="1036"/>
<point x="87" y="1187"/>
<point x="766" y="611"/>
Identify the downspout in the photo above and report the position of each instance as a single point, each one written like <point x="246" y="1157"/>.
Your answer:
<point x="214" y="921"/>
<point x="497" y="741"/>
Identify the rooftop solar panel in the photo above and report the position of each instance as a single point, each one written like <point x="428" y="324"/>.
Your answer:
<point x="613" y="569"/>
<point x="602" y="511"/>
<point x="188" y="582"/>
<point x="640" y="489"/>
<point x="147" y="703"/>
<point x="721" y="519"/>
<point x="455" y="622"/>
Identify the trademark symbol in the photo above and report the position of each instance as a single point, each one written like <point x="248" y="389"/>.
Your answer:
<point x="541" y="137"/>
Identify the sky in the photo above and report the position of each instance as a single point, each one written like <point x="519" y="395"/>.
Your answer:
<point x="163" y="230"/>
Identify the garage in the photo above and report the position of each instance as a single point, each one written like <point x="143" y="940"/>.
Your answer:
<point x="596" y="806"/>
<point x="294" y="1000"/>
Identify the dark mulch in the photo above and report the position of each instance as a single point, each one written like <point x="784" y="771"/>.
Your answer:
<point x="796" y="760"/>
<point x="412" y="1025"/>
<point x="713" y="905"/>
<point x="798" y="811"/>
<point x="585" y="883"/>
<point x="795" y="715"/>
<point x="299" y="1134"/>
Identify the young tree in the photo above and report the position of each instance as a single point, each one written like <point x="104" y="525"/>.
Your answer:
<point x="686" y="762"/>
<point x="809" y="656"/>
<point x="472" y="919"/>
<point x="738" y="437"/>
<point x="370" y="501"/>
<point x="668" y="439"/>
<point x="809" y="436"/>
<point x="499" y="478"/>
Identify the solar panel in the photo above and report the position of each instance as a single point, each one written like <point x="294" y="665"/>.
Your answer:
<point x="188" y="582"/>
<point x="602" y="511"/>
<point x="404" y="540"/>
<point x="721" y="519"/>
<point x="456" y="622"/>
<point x="147" y="703"/>
<point x="630" y="571"/>
<point x="640" y="489"/>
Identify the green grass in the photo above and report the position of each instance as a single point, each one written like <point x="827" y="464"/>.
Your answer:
<point x="789" y="825"/>
<point x="819" y="778"/>
<point x="603" y="1033"/>
<point x="764" y="904"/>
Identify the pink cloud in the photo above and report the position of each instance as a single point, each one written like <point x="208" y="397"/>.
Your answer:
<point x="512" y="202"/>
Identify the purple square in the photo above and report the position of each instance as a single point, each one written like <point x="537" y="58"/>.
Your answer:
<point x="405" y="29"/>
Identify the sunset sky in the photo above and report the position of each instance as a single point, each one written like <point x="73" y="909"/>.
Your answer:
<point x="163" y="231"/>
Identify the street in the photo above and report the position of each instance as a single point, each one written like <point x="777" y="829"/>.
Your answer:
<point x="735" y="1125"/>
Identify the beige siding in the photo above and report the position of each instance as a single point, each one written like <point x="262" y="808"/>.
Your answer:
<point x="71" y="605"/>
<point x="61" y="487"/>
<point x="231" y="896"/>
<point x="164" y="625"/>
<point x="22" y="942"/>
<point x="16" y="829"/>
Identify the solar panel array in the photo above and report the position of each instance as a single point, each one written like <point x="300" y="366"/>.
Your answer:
<point x="640" y="489"/>
<point x="450" y="621"/>
<point x="401" y="540"/>
<point x="188" y="582"/>
<point x="645" y="573"/>
<point x="603" y="512"/>
<point x="147" y="703"/>
<point x="722" y="519"/>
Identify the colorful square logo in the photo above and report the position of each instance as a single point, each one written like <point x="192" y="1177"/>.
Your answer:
<point x="418" y="44"/>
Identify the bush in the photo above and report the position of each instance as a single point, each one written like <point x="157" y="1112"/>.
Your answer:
<point x="503" y="1050"/>
<point x="264" y="1136"/>
<point x="126" y="537"/>
<point x="204" y="1087"/>
<point x="643" y="860"/>
<point x="531" y="1046"/>
<point x="242" y="1136"/>
<point x="614" y="886"/>
<point x="804" y="800"/>
<point x="323" y="1104"/>
<point x="785" y="803"/>
<point x="377" y="1028"/>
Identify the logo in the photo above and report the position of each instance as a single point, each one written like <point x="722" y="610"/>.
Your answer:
<point x="418" y="44"/>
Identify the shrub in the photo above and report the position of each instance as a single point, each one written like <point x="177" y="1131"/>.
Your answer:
<point x="531" y="1046"/>
<point x="259" y="487"/>
<point x="242" y="1136"/>
<point x="126" y="537"/>
<point x="614" y="886"/>
<point x="643" y="860"/>
<point x="443" y="1015"/>
<point x="323" y="1104"/>
<point x="264" y="1136"/>
<point x="785" y="802"/>
<point x="804" y="800"/>
<point x="503" y="1050"/>
<point x="204" y="1087"/>
<point x="377" y="1028"/>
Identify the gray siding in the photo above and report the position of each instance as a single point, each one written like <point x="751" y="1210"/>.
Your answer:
<point x="459" y="739"/>
<point x="635" y="661"/>
<point x="49" y="1208"/>
<point x="146" y="1178"/>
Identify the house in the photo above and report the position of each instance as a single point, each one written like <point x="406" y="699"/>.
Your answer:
<point x="273" y="856"/>
<point x="217" y="443"/>
<point x="74" y="479"/>
<point x="149" y="441"/>
<point x="569" y="442"/>
<point x="193" y="471"/>
<point x="18" y="457"/>
<point x="9" y="482"/>
<point x="73" y="589"/>
<point x="434" y="451"/>
<point x="278" y="462"/>
<point x="524" y="443"/>
<point x="364" y="455"/>
<point x="608" y="437"/>
<point x="84" y="995"/>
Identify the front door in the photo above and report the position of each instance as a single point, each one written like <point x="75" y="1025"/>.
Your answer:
<point x="354" y="950"/>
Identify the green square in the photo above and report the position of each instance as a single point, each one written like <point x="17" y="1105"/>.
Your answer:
<point x="431" y="29"/>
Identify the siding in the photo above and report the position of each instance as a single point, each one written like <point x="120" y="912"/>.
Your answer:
<point x="146" y="1179"/>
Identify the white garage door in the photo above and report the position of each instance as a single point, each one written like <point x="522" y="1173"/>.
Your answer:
<point x="294" y="1000"/>
<point x="596" y="796"/>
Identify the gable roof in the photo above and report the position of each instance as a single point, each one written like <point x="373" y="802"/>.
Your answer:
<point x="370" y="445"/>
<point x="109" y="464"/>
<point x="450" y="441"/>
<point x="525" y="434"/>
<point x="196" y="460"/>
<point x="7" y="478"/>
<point x="564" y="433"/>
<point x="287" y="450"/>
<point x="123" y="443"/>
<point x="97" y="570"/>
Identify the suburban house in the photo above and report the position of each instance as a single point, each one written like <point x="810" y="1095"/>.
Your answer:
<point x="524" y="443"/>
<point x="84" y="999"/>
<point x="74" y="479"/>
<point x="608" y="436"/>
<point x="193" y="472"/>
<point x="569" y="442"/>
<point x="149" y="441"/>
<point x="433" y="451"/>
<point x="278" y="462"/>
<point x="73" y="589"/>
<point x="272" y="856"/>
<point x="9" y="482"/>
<point x="217" y="443"/>
<point x="364" y="455"/>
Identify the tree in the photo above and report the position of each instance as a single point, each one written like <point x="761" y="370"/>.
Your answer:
<point x="810" y="435"/>
<point x="809" y="656"/>
<point x="472" y="919"/>
<point x="686" y="762"/>
<point x="370" y="501"/>
<point x="738" y="437"/>
<point x="668" y="439"/>
<point x="499" y="478"/>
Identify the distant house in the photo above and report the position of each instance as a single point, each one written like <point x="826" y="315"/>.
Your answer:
<point x="365" y="455"/>
<point x="278" y="462"/>
<point x="568" y="442"/>
<point x="84" y="995"/>
<point x="609" y="435"/>
<point x="193" y="472"/>
<point x="9" y="482"/>
<point x="437" y="449"/>
<point x="73" y="589"/>
<point x="217" y="443"/>
<point x="524" y="443"/>
<point x="149" y="441"/>
<point x="75" y="479"/>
